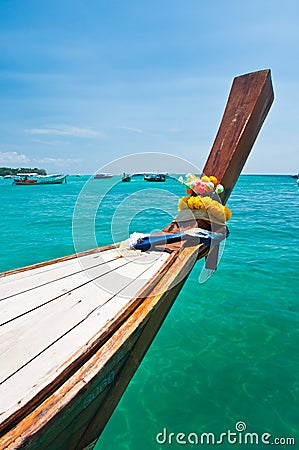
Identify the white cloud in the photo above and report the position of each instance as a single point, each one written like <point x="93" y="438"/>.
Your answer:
<point x="40" y="141"/>
<point x="13" y="157"/>
<point x="60" y="162"/>
<point x="135" y="130"/>
<point x="64" y="130"/>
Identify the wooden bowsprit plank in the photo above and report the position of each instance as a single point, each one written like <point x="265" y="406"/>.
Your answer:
<point x="248" y="104"/>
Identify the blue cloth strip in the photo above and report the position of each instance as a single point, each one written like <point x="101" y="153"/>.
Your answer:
<point x="203" y="236"/>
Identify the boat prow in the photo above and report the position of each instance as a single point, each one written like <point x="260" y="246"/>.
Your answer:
<point x="74" y="330"/>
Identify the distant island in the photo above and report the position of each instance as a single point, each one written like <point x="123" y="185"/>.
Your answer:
<point x="10" y="171"/>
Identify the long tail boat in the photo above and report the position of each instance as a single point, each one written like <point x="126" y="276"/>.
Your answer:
<point x="33" y="179"/>
<point x="69" y="345"/>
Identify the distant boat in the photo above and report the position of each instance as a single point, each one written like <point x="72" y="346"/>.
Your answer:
<point x="98" y="176"/>
<point x="126" y="178"/>
<point x="158" y="177"/>
<point x="6" y="177"/>
<point x="30" y="179"/>
<point x="295" y="176"/>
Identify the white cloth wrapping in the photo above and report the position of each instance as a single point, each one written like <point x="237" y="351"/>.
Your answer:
<point x="126" y="248"/>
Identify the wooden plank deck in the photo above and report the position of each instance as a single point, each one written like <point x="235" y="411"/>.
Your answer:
<point x="49" y="313"/>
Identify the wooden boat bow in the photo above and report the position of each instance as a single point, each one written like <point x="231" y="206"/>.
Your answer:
<point x="248" y="104"/>
<point x="78" y="393"/>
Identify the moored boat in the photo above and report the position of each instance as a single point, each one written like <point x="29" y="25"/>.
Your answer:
<point x="99" y="176"/>
<point x="96" y="313"/>
<point x="155" y="177"/>
<point x="125" y="178"/>
<point x="31" y="179"/>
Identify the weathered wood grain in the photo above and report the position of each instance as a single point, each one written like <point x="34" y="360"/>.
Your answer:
<point x="248" y="104"/>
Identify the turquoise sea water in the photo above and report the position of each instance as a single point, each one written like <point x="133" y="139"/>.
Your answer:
<point x="228" y="350"/>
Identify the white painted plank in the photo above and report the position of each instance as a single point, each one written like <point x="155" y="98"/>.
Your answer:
<point x="19" y="304"/>
<point x="14" y="306"/>
<point x="22" y="281"/>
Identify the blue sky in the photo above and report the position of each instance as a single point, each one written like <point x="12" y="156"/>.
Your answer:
<point x="85" y="82"/>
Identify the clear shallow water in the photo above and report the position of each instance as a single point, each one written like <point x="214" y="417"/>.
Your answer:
<point x="228" y="350"/>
